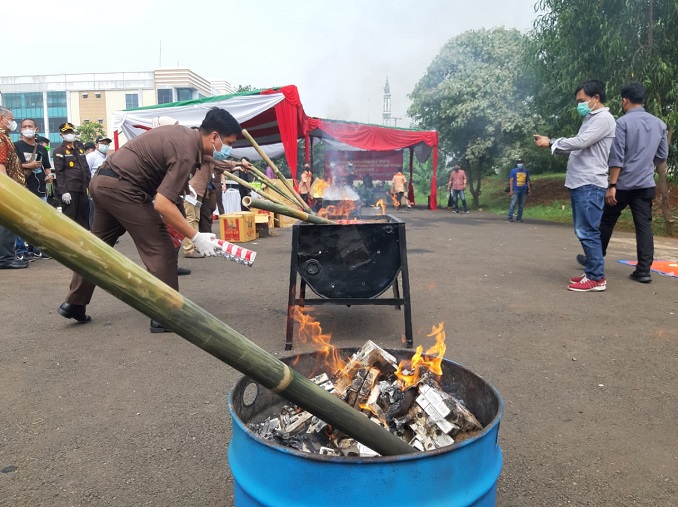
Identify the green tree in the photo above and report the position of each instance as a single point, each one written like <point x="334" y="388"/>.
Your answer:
<point x="614" y="41"/>
<point x="474" y="94"/>
<point x="88" y="132"/>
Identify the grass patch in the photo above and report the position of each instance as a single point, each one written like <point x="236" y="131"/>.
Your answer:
<point x="549" y="201"/>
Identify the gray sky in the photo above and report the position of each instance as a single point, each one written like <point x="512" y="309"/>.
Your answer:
<point x="337" y="53"/>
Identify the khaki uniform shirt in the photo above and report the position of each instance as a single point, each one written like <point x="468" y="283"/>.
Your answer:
<point x="159" y="160"/>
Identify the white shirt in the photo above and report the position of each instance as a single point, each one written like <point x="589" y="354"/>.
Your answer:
<point x="94" y="160"/>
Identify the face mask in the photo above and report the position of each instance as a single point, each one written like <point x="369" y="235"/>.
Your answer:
<point x="520" y="166"/>
<point x="69" y="138"/>
<point x="583" y="108"/>
<point x="11" y="125"/>
<point x="103" y="148"/>
<point x="28" y="133"/>
<point x="223" y="154"/>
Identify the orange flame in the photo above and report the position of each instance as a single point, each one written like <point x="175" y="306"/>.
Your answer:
<point x="310" y="332"/>
<point x="343" y="210"/>
<point x="318" y="188"/>
<point x="396" y="202"/>
<point x="382" y="205"/>
<point x="409" y="371"/>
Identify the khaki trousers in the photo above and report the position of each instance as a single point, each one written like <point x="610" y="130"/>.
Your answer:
<point x="121" y="207"/>
<point x="193" y="218"/>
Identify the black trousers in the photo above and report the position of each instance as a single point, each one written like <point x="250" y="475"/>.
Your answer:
<point x="78" y="209"/>
<point x="640" y="202"/>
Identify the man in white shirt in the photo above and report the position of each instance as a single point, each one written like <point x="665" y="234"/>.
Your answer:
<point x="94" y="160"/>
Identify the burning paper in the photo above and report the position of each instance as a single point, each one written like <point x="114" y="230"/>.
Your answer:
<point x="405" y="398"/>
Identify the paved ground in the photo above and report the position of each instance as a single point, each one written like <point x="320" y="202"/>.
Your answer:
<point x="108" y="414"/>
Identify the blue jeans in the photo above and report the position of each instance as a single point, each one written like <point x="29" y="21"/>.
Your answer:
<point x="587" y="210"/>
<point x="518" y="197"/>
<point x="456" y="194"/>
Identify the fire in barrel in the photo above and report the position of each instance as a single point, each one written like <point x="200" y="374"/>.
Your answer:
<point x="450" y="414"/>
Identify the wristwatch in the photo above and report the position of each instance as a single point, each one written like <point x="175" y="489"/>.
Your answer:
<point x="612" y="185"/>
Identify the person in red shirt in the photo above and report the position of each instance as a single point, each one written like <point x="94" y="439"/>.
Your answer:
<point x="457" y="184"/>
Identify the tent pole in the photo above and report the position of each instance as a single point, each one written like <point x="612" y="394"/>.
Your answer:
<point x="309" y="159"/>
<point x="410" y="187"/>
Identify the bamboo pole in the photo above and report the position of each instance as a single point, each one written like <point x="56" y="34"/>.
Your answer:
<point x="285" y="210"/>
<point x="34" y="220"/>
<point x="271" y="185"/>
<point x="277" y="172"/>
<point x="246" y="184"/>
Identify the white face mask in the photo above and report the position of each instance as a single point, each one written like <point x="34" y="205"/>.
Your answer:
<point x="69" y="138"/>
<point x="103" y="148"/>
<point x="28" y="133"/>
<point x="11" y="124"/>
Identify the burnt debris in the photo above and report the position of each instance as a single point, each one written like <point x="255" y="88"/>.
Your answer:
<point x="422" y="414"/>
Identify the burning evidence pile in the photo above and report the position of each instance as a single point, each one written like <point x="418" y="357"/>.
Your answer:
<point x="405" y="398"/>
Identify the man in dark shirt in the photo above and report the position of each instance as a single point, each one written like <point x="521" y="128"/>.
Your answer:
<point x="72" y="172"/>
<point x="639" y="145"/>
<point x="136" y="190"/>
<point x="38" y="171"/>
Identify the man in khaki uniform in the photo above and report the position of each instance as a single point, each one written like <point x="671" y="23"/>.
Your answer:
<point x="136" y="190"/>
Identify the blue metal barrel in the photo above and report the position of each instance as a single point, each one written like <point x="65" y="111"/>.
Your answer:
<point x="463" y="474"/>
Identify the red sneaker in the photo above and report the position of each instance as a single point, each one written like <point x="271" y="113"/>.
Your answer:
<point x="586" y="285"/>
<point x="577" y="279"/>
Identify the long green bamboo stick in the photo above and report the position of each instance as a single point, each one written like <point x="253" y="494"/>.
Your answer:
<point x="34" y="220"/>
<point x="304" y="205"/>
<point x="247" y="184"/>
<point x="285" y="210"/>
<point x="270" y="184"/>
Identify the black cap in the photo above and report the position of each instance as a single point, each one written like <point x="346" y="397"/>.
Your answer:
<point x="89" y="146"/>
<point x="64" y="127"/>
<point x="103" y="139"/>
<point x="519" y="161"/>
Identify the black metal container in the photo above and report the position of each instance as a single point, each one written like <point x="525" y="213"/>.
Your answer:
<point x="350" y="264"/>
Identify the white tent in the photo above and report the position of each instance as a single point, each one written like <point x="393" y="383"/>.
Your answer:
<point x="274" y="118"/>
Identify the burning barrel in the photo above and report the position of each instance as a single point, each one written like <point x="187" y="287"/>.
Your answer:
<point x="350" y="264"/>
<point x="462" y="474"/>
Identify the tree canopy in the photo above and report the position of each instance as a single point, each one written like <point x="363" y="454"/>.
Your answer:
<point x="475" y="95"/>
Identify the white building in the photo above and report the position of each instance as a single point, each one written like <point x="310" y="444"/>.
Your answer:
<point x="93" y="97"/>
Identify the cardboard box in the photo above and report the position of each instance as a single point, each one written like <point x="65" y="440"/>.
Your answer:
<point x="284" y="220"/>
<point x="237" y="227"/>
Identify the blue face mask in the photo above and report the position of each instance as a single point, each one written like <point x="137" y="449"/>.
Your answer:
<point x="520" y="166"/>
<point x="223" y="154"/>
<point x="583" y="108"/>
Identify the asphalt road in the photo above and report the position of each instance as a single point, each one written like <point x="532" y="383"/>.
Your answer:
<point x="109" y="414"/>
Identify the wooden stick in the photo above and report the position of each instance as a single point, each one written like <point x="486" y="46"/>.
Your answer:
<point x="285" y="210"/>
<point x="277" y="172"/>
<point x="36" y="221"/>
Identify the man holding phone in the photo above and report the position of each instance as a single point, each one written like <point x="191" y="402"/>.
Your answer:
<point x="38" y="171"/>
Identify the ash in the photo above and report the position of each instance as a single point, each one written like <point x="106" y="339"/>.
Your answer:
<point x="423" y="415"/>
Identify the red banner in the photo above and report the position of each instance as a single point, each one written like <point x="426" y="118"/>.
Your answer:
<point x="380" y="165"/>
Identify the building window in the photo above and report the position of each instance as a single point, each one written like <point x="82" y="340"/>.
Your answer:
<point x="164" y="96"/>
<point x="101" y="121"/>
<point x="97" y="95"/>
<point x="131" y="100"/>
<point x="184" y="94"/>
<point x="85" y="95"/>
<point x="86" y="122"/>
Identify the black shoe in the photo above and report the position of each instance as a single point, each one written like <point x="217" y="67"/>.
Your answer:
<point x="157" y="327"/>
<point x="509" y="220"/>
<point x="183" y="271"/>
<point x="25" y="256"/>
<point x="15" y="264"/>
<point x="37" y="254"/>
<point x="581" y="259"/>
<point x="76" y="312"/>
<point x="641" y="277"/>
